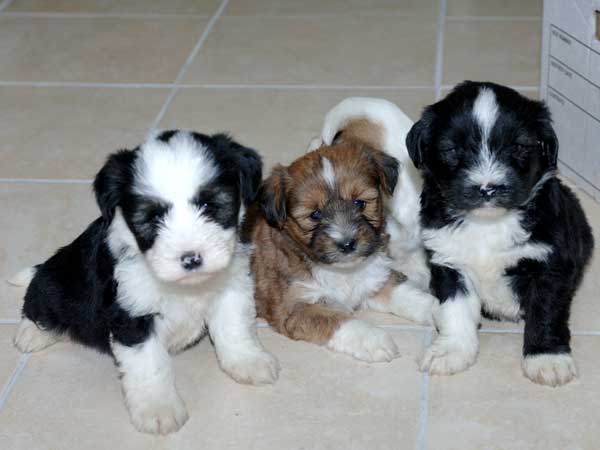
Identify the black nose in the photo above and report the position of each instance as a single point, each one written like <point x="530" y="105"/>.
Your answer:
<point x="488" y="191"/>
<point x="347" y="246"/>
<point x="191" y="260"/>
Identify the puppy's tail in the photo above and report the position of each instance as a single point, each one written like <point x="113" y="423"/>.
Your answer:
<point x="382" y="125"/>
<point x="23" y="278"/>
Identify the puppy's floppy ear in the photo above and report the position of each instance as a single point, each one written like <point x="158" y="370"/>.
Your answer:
<point x="110" y="182"/>
<point x="549" y="144"/>
<point x="246" y="161"/>
<point x="273" y="197"/>
<point x="387" y="167"/>
<point x="416" y="143"/>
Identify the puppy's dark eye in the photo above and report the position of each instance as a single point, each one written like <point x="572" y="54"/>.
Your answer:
<point x="450" y="155"/>
<point x="360" y="204"/>
<point x="316" y="215"/>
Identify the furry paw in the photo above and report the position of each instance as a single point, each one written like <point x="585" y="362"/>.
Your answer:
<point x="31" y="338"/>
<point x="550" y="369"/>
<point x="158" y="416"/>
<point x="412" y="303"/>
<point x="364" y="341"/>
<point x="257" y="367"/>
<point x="447" y="356"/>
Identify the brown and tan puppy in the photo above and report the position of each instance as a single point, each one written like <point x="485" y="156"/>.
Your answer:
<point x="320" y="249"/>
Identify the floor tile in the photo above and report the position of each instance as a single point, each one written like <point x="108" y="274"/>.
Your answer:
<point x="495" y="8"/>
<point x="38" y="219"/>
<point x="9" y="355"/>
<point x="100" y="50"/>
<point x="67" y="132"/>
<point x="322" y="400"/>
<point x="327" y="50"/>
<point x="502" y="51"/>
<point x="278" y="123"/>
<point x="116" y="6"/>
<point x="337" y="7"/>
<point x="493" y="406"/>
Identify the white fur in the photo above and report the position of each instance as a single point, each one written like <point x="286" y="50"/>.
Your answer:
<point x="23" y="278"/>
<point x="408" y="301"/>
<point x="487" y="171"/>
<point x="148" y="385"/>
<point x="404" y="205"/>
<point x="550" y="369"/>
<point x="31" y="338"/>
<point x="455" y="348"/>
<point x="363" y="341"/>
<point x="328" y="173"/>
<point x="481" y="250"/>
<point x="348" y="286"/>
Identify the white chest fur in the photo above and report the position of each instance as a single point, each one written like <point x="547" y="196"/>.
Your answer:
<point x="481" y="250"/>
<point x="349" y="287"/>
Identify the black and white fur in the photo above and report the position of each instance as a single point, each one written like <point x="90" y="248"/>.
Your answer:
<point x="162" y="266"/>
<point x="505" y="237"/>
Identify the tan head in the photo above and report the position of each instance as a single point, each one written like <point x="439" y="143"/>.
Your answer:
<point x="330" y="201"/>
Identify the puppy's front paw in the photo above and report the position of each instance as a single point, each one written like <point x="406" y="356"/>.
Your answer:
<point x="256" y="367"/>
<point x="159" y="415"/>
<point x="449" y="355"/>
<point x="550" y="369"/>
<point x="364" y="341"/>
<point x="31" y="338"/>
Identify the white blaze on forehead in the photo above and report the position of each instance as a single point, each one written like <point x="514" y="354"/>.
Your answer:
<point x="487" y="170"/>
<point x="328" y="173"/>
<point x="173" y="171"/>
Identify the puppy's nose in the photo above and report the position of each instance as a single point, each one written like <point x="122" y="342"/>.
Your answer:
<point x="488" y="191"/>
<point x="347" y="246"/>
<point x="191" y="260"/>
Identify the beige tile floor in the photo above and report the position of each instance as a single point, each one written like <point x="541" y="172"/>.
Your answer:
<point x="80" y="78"/>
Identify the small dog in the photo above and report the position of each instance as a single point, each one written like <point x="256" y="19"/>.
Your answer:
<point x="382" y="123"/>
<point x="320" y="248"/>
<point x="161" y="264"/>
<point x="505" y="236"/>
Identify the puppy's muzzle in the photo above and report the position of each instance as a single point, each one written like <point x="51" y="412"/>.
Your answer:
<point x="191" y="260"/>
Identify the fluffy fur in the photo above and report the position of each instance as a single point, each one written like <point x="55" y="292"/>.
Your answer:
<point x="506" y="238"/>
<point x="162" y="266"/>
<point x="381" y="124"/>
<point x="321" y="250"/>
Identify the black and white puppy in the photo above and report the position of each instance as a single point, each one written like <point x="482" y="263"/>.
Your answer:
<point x="161" y="265"/>
<point x="504" y="236"/>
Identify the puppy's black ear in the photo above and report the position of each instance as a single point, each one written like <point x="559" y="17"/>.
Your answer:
<point x="549" y="144"/>
<point x="112" y="179"/>
<point x="273" y="197"/>
<point x="416" y="143"/>
<point x="246" y="161"/>
<point x="388" y="169"/>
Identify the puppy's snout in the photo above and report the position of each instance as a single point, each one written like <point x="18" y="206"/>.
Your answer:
<point x="347" y="245"/>
<point x="191" y="260"/>
<point x="488" y="191"/>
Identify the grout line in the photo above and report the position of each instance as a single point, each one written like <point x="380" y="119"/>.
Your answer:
<point x="9" y="321"/>
<point x="188" y="63"/>
<point x="13" y="378"/>
<point x="495" y="18"/>
<point x="108" y="15"/>
<point x="5" y="4"/>
<point x="76" y="84"/>
<point x="439" y="49"/>
<point x="44" y="181"/>
<point x="424" y="408"/>
<point x="302" y="86"/>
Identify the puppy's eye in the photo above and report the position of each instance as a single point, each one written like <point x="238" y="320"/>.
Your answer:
<point x="450" y="155"/>
<point x="360" y="204"/>
<point x="316" y="215"/>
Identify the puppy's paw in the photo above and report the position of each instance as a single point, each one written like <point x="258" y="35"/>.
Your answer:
<point x="550" y="369"/>
<point x="158" y="415"/>
<point x="414" y="304"/>
<point x="449" y="355"/>
<point x="364" y="341"/>
<point x="256" y="367"/>
<point x="31" y="338"/>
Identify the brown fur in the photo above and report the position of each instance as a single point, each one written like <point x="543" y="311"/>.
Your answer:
<point x="283" y="236"/>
